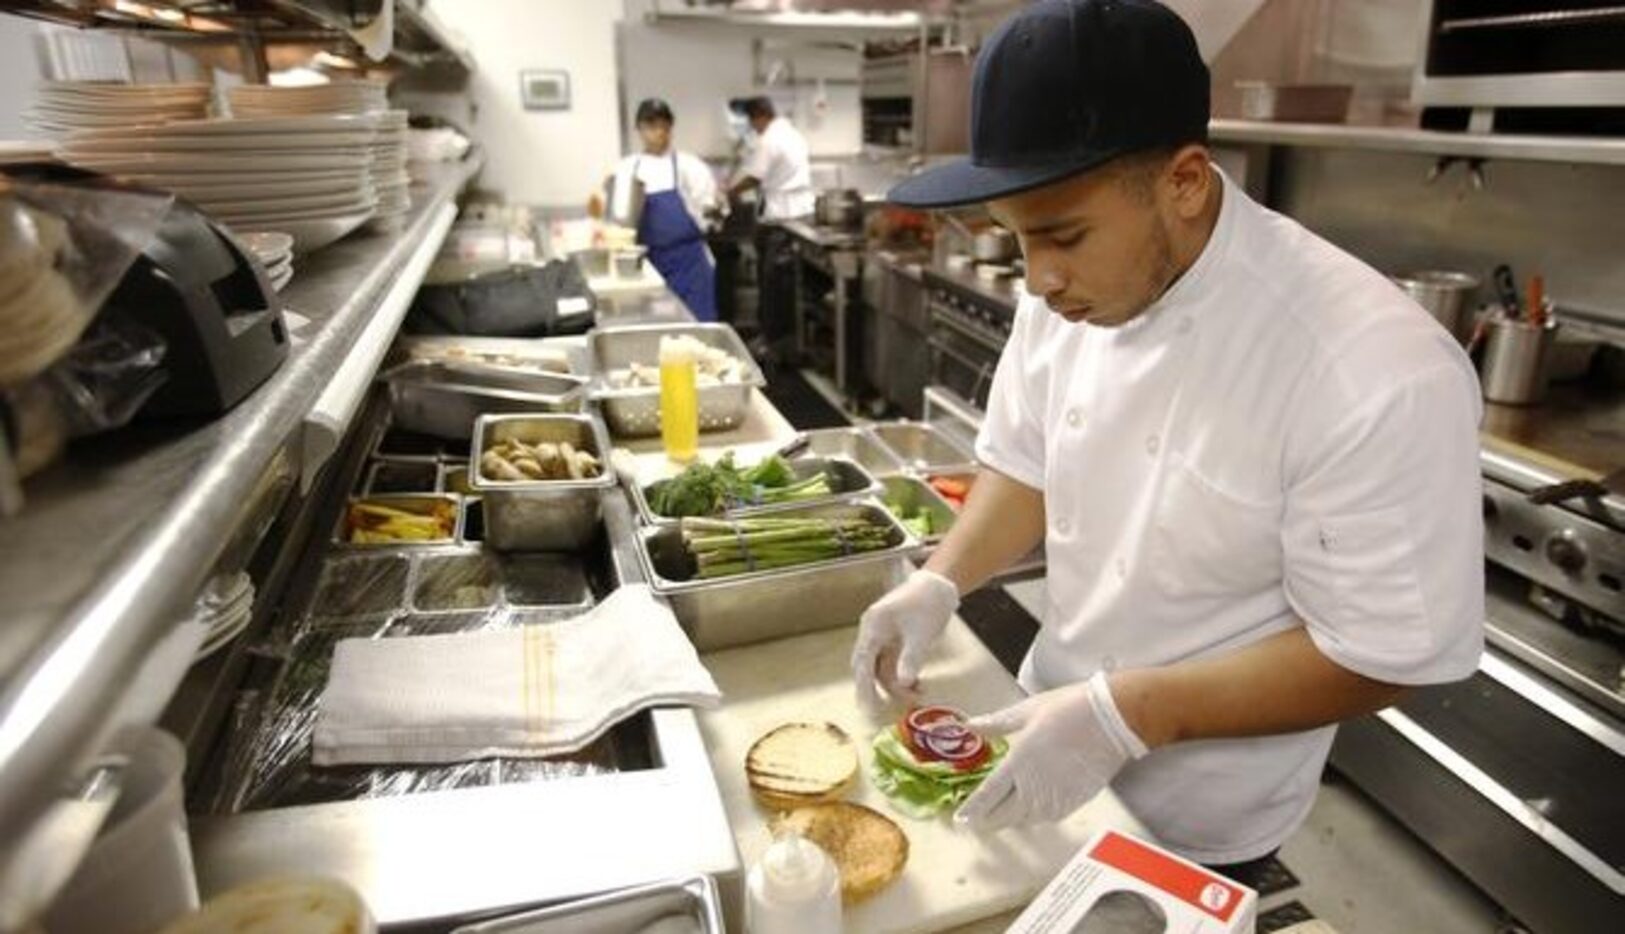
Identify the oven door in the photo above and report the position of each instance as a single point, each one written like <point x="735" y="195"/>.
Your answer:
<point x="963" y="356"/>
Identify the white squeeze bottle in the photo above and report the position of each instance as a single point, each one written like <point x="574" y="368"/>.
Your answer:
<point x="793" y="889"/>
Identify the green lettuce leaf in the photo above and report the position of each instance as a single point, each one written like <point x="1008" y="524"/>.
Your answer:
<point x="919" y="789"/>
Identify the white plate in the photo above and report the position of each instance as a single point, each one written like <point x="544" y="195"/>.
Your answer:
<point x="351" y="144"/>
<point x="349" y="200"/>
<point x="312" y="233"/>
<point x="350" y="176"/>
<point x="267" y="243"/>
<point x="316" y="128"/>
<point x="260" y="220"/>
<point x="280" y="282"/>
<point x="163" y="163"/>
<point x="221" y="190"/>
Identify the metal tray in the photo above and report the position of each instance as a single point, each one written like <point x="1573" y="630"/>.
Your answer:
<point x="847" y="481"/>
<point x="635" y="413"/>
<point x="923" y="448"/>
<point x="855" y="444"/>
<point x="764" y="605"/>
<point x="914" y="493"/>
<point x="400" y="476"/>
<point x="531" y="354"/>
<point x="444" y="399"/>
<point x="691" y="903"/>
<point x="403" y="501"/>
<point x="541" y="515"/>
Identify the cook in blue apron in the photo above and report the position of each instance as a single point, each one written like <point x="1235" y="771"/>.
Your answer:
<point x="677" y="247"/>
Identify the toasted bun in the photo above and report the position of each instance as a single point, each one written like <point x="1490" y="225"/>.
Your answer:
<point x="868" y="849"/>
<point x="800" y="764"/>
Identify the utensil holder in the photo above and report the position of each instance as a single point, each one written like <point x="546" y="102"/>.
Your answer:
<point x="1515" y="354"/>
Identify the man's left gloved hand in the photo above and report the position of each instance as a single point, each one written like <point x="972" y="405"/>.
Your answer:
<point x="1068" y="744"/>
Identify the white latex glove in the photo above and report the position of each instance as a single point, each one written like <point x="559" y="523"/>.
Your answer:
<point x="1072" y="741"/>
<point x="897" y="631"/>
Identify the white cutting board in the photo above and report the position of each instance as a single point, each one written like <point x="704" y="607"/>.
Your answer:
<point x="953" y="876"/>
<point x="763" y="431"/>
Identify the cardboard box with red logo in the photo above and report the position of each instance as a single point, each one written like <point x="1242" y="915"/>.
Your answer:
<point x="1185" y="897"/>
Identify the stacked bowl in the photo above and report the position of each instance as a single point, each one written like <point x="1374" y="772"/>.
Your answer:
<point x="274" y="250"/>
<point x="66" y="106"/>
<point x="308" y="176"/>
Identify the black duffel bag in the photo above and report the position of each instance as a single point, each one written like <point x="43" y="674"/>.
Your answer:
<point x="513" y="301"/>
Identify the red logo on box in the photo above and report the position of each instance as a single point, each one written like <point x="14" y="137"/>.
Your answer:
<point x="1196" y="887"/>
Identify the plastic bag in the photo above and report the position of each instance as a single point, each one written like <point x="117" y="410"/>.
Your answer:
<point x="63" y="249"/>
<point x="516" y="301"/>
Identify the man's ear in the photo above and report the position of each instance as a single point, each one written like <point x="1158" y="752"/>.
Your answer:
<point x="1189" y="179"/>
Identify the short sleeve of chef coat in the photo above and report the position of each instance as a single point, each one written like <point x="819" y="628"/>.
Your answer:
<point x="1012" y="437"/>
<point x="1383" y="528"/>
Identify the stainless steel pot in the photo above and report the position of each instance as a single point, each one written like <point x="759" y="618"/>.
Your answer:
<point x="1444" y="294"/>
<point x="993" y="245"/>
<point x="838" y="207"/>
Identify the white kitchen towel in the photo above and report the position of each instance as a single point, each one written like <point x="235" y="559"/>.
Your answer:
<point x="528" y="691"/>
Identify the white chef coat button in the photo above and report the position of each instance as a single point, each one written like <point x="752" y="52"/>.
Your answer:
<point x="1074" y="417"/>
<point x="1063" y="526"/>
<point x="1151" y="444"/>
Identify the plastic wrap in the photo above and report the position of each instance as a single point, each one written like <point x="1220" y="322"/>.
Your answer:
<point x="63" y="249"/>
<point x="268" y="757"/>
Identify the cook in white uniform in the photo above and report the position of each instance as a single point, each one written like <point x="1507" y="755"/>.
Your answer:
<point x="1252" y="460"/>
<point x="777" y="163"/>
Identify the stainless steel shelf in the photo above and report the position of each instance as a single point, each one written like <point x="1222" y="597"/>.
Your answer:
<point x="116" y="540"/>
<point x="1597" y="151"/>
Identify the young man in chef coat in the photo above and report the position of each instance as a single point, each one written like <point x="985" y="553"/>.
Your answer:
<point x="678" y="191"/>
<point x="1252" y="461"/>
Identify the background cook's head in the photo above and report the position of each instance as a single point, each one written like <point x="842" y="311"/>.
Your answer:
<point x="1089" y="142"/>
<point x="654" y="120"/>
<point x="760" y="112"/>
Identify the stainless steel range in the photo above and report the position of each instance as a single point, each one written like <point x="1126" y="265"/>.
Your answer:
<point x="1514" y="776"/>
<point x="970" y="321"/>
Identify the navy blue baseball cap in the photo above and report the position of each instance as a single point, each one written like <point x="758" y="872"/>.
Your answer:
<point x="1065" y="86"/>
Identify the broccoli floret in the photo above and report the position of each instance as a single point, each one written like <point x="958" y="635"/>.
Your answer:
<point x="775" y="471"/>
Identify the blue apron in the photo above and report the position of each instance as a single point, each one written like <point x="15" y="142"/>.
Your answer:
<point x="677" y="248"/>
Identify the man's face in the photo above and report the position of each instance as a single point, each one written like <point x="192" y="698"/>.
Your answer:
<point x="656" y="135"/>
<point x="759" y="122"/>
<point x="1098" y="247"/>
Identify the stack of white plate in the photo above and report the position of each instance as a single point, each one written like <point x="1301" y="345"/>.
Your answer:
<point x="310" y="177"/>
<point x="225" y="608"/>
<point x="339" y="97"/>
<point x="13" y="151"/>
<point x="65" y="106"/>
<point x="274" y="250"/>
<point x="389" y="176"/>
<point x="388" y="164"/>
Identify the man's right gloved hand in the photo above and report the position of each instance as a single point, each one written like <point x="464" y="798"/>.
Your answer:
<point x="897" y="631"/>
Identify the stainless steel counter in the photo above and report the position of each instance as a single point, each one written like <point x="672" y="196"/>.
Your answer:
<point x="1002" y="293"/>
<point x="115" y="541"/>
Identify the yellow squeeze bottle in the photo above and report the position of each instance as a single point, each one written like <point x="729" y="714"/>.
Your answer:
<point x="679" y="401"/>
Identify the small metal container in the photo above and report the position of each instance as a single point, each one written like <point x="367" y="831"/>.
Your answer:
<point x="635" y="413"/>
<point x="915" y="495"/>
<point x="628" y="263"/>
<point x="594" y="263"/>
<point x="444" y="399"/>
<point x="1515" y="355"/>
<point x="763" y="605"/>
<point x="855" y="444"/>
<point x="400" y="476"/>
<point x="541" y="515"/>
<point x="546" y="580"/>
<point x="846" y="481"/>
<point x="1443" y="294"/>
<point x="361" y="586"/>
<point x="453" y="478"/>
<point x="456" y="582"/>
<point x="407" y="502"/>
<point x="923" y="448"/>
<point x="692" y="904"/>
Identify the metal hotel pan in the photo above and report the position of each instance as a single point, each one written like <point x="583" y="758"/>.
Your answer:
<point x="916" y="494"/>
<point x="924" y="448"/>
<point x="855" y="444"/>
<point x="541" y="515"/>
<point x="763" y="605"/>
<point x="635" y="413"/>
<point x="846" y="479"/>
<point x="444" y="399"/>
<point x="692" y="904"/>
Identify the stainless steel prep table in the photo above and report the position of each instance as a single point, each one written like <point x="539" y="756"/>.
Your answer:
<point x="839" y="255"/>
<point x="115" y="542"/>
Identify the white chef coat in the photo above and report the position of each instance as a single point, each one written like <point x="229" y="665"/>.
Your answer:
<point x="780" y="162"/>
<point x="1282" y="436"/>
<point x="694" y="181"/>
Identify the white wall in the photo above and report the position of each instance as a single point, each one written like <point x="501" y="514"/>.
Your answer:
<point x="553" y="158"/>
<point x="698" y="68"/>
<point x="19" y="70"/>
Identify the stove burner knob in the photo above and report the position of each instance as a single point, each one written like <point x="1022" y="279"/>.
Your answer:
<point x="1568" y="554"/>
